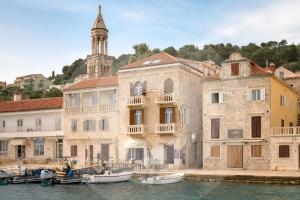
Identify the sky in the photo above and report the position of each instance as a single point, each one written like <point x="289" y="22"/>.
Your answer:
<point x="39" y="36"/>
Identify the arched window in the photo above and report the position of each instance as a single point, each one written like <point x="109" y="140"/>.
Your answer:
<point x="138" y="89"/>
<point x="168" y="86"/>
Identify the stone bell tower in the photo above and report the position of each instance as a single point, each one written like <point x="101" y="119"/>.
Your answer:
<point x="99" y="64"/>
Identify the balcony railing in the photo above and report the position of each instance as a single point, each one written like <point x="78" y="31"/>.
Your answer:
<point x="89" y="109"/>
<point x="285" y="131"/>
<point x="135" y="129"/>
<point x="136" y="101"/>
<point x="30" y="129"/>
<point x="166" y="128"/>
<point x="165" y="98"/>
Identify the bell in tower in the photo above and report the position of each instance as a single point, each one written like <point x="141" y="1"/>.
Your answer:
<point x="99" y="64"/>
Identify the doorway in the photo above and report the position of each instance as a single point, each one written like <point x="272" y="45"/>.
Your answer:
<point x="91" y="153"/>
<point x="235" y="156"/>
<point x="20" y="151"/>
<point x="59" y="148"/>
<point x="105" y="152"/>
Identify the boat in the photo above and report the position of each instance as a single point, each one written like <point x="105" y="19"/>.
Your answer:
<point x="27" y="176"/>
<point x="108" y="177"/>
<point x="5" y="176"/>
<point x="49" y="177"/>
<point x="160" y="180"/>
<point x="70" y="179"/>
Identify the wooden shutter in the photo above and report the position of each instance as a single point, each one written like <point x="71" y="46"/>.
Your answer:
<point x="162" y="115"/>
<point x="215" y="151"/>
<point x="143" y="117"/>
<point x="221" y="97"/>
<point x="235" y="69"/>
<point x="168" y="86"/>
<point x="284" y="151"/>
<point x="73" y="150"/>
<point x="105" y="151"/>
<point x="131" y="117"/>
<point x="91" y="153"/>
<point x="256" y="126"/>
<point x="215" y="128"/>
<point x="256" y="151"/>
<point x="263" y="94"/>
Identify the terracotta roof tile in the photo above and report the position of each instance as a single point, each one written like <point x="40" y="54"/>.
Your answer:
<point x="93" y="83"/>
<point x="161" y="58"/>
<point x="256" y="69"/>
<point x="31" y="105"/>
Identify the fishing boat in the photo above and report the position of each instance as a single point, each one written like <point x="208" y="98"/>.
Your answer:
<point x="49" y="177"/>
<point x="5" y="176"/>
<point x="27" y="176"/>
<point x="108" y="177"/>
<point x="160" y="180"/>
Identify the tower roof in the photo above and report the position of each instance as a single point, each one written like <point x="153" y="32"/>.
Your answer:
<point x="99" y="23"/>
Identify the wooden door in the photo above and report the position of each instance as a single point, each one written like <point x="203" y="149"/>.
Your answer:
<point x="235" y="156"/>
<point x="91" y="153"/>
<point x="105" y="152"/>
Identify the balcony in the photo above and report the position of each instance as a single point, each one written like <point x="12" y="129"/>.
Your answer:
<point x="136" y="101"/>
<point x="165" y="129"/>
<point x="31" y="131"/>
<point x="135" y="130"/>
<point x="285" y="131"/>
<point x="90" y="109"/>
<point x="165" y="99"/>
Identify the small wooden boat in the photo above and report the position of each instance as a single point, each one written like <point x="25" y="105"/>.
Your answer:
<point x="49" y="177"/>
<point x="5" y="176"/>
<point x="108" y="177"/>
<point x="160" y="180"/>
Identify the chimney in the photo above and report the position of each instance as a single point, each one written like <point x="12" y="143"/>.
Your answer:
<point x="17" y="97"/>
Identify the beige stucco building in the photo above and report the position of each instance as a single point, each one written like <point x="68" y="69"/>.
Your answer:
<point x="31" y="131"/>
<point x="36" y="81"/>
<point x="243" y="109"/>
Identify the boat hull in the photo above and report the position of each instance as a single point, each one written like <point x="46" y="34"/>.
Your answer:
<point x="113" y="178"/>
<point x="161" y="180"/>
<point x="26" y="179"/>
<point x="70" y="180"/>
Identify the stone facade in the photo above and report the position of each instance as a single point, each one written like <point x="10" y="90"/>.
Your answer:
<point x="36" y="81"/>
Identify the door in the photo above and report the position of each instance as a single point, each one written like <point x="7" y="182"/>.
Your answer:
<point x="91" y="153"/>
<point x="59" y="152"/>
<point x="235" y="156"/>
<point x="20" y="151"/>
<point x="105" y="152"/>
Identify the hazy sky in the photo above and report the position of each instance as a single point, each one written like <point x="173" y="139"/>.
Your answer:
<point x="38" y="36"/>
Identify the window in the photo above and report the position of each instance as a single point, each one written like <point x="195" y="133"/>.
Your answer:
<point x="3" y="147"/>
<point x="74" y="125"/>
<point x="38" y="123"/>
<point x="284" y="151"/>
<point x="94" y="100"/>
<point x="169" y="154"/>
<point x="89" y="125"/>
<point x="138" y="89"/>
<point x="235" y="69"/>
<point x="135" y="154"/>
<point x="281" y="74"/>
<point x="169" y="115"/>
<point x="138" y="116"/>
<point x="57" y="123"/>
<point x="195" y="151"/>
<point x="291" y="124"/>
<point x="256" y="127"/>
<point x="282" y="123"/>
<point x="39" y="147"/>
<point x="73" y="150"/>
<point x="256" y="151"/>
<point x="215" y="98"/>
<point x="168" y="86"/>
<point x="282" y="100"/>
<point x="215" y="151"/>
<point x="3" y="124"/>
<point x="103" y="125"/>
<point x="215" y="128"/>
<point x="20" y="122"/>
<point x="77" y="100"/>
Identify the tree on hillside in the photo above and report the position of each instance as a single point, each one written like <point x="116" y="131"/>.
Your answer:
<point x="171" y="50"/>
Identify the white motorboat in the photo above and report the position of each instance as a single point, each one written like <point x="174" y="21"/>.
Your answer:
<point x="108" y="177"/>
<point x="5" y="176"/>
<point x="160" y="180"/>
<point x="48" y="177"/>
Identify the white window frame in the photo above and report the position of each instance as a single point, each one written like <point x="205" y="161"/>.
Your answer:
<point x="38" y="123"/>
<point x="220" y="100"/>
<point x="138" y="117"/>
<point x="169" y="115"/>
<point x="3" y="147"/>
<point x="39" y="147"/>
<point x="103" y="125"/>
<point x="257" y="94"/>
<point x="89" y="125"/>
<point x="74" y="125"/>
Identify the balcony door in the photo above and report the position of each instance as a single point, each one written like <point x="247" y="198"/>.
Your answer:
<point x="136" y="117"/>
<point x="20" y="151"/>
<point x="167" y="115"/>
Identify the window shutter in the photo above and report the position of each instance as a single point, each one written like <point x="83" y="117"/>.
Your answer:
<point x="162" y="115"/>
<point x="221" y="97"/>
<point x="131" y="117"/>
<point x="144" y="88"/>
<point x="263" y="94"/>
<point x="106" y="125"/>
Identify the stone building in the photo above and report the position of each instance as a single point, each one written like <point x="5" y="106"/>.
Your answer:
<point x="30" y="130"/>
<point x="239" y="109"/>
<point x="2" y="85"/>
<point x="160" y="112"/>
<point x="36" y="81"/>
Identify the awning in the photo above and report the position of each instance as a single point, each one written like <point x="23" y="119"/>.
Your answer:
<point x="16" y="142"/>
<point x="136" y="143"/>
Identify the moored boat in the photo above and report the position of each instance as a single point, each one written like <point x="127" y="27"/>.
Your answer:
<point x="5" y="176"/>
<point x="160" y="180"/>
<point x="108" y="177"/>
<point x="49" y="177"/>
<point x="27" y="176"/>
